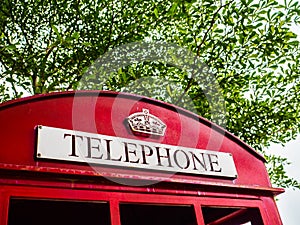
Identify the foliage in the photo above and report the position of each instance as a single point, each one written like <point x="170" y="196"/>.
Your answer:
<point x="276" y="172"/>
<point x="248" y="45"/>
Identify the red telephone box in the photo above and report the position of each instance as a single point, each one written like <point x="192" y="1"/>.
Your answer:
<point x="113" y="158"/>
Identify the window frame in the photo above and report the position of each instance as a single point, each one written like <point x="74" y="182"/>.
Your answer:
<point x="115" y="198"/>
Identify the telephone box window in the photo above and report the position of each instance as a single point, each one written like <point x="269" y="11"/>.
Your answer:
<point x="137" y="214"/>
<point x="231" y="216"/>
<point x="50" y="212"/>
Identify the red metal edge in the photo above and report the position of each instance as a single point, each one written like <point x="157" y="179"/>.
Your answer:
<point x="169" y="106"/>
<point x="63" y="171"/>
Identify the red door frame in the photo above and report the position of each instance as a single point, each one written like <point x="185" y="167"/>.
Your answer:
<point x="115" y="198"/>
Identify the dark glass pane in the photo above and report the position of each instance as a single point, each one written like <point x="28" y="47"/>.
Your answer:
<point x="140" y="214"/>
<point x="231" y="216"/>
<point x="50" y="212"/>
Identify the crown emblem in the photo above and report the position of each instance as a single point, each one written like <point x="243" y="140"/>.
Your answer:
<point x="146" y="123"/>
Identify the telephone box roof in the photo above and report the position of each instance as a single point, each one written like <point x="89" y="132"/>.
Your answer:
<point x="107" y="113"/>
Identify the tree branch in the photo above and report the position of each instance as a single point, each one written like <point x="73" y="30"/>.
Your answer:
<point x="211" y="25"/>
<point x="199" y="47"/>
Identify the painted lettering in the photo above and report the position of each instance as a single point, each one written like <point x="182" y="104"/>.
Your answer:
<point x="200" y="160"/>
<point x="93" y="144"/>
<point x="144" y="154"/>
<point x="214" y="163"/>
<point x="128" y="150"/>
<point x="73" y="143"/>
<point x="108" y="142"/>
<point x="167" y="156"/>
<point x="182" y="160"/>
<point x="122" y="152"/>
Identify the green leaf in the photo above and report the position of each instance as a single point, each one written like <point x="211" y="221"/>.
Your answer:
<point x="87" y="44"/>
<point x="169" y="90"/>
<point x="156" y="12"/>
<point x="172" y="9"/>
<point x="76" y="35"/>
<point x="55" y="29"/>
<point x="11" y="47"/>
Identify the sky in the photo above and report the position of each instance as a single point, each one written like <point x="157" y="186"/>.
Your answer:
<point x="289" y="202"/>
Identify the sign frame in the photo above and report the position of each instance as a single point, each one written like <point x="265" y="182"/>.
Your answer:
<point x="103" y="150"/>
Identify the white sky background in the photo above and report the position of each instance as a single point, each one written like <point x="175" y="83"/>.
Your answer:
<point x="289" y="202"/>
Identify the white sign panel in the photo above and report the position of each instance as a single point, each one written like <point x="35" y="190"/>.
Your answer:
<point x="76" y="146"/>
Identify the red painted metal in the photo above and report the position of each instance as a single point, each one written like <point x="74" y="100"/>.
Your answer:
<point x="104" y="113"/>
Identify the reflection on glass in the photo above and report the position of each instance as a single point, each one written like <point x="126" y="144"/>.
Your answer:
<point x="231" y="216"/>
